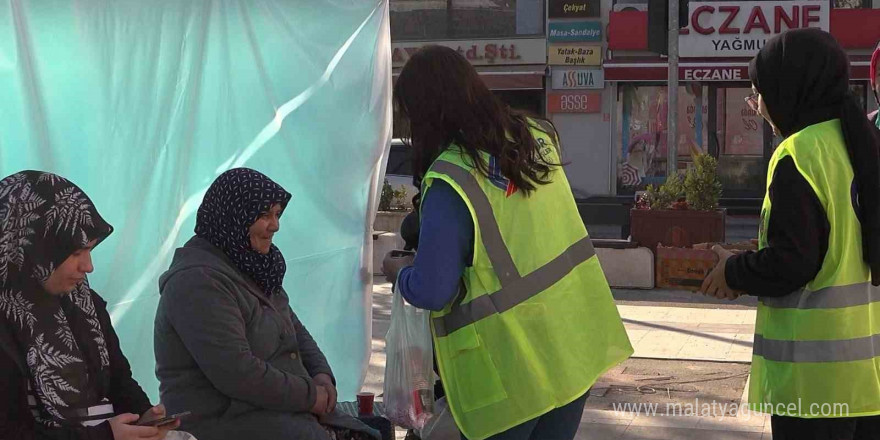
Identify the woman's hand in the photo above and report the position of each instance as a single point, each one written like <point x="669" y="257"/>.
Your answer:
<point x="326" y="381"/>
<point x="322" y="402"/>
<point x="715" y="284"/>
<point x="158" y="412"/>
<point x="123" y="428"/>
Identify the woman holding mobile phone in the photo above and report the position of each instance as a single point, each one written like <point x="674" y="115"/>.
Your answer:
<point x="62" y="372"/>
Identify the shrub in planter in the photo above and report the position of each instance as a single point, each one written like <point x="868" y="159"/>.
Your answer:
<point x="393" y="199"/>
<point x="667" y="195"/>
<point x="701" y="185"/>
<point x="683" y="211"/>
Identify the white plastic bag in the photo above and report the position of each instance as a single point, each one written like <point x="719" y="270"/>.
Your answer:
<point x="409" y="372"/>
<point x="441" y="426"/>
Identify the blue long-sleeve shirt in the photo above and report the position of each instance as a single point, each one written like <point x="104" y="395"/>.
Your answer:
<point x="446" y="241"/>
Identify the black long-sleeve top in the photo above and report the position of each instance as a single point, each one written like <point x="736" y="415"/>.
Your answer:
<point x="797" y="236"/>
<point x="16" y="420"/>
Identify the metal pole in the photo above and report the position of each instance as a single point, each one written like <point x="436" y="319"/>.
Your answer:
<point x="672" y="93"/>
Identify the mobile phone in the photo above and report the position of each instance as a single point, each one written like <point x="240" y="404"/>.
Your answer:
<point x="400" y="254"/>
<point x="158" y="423"/>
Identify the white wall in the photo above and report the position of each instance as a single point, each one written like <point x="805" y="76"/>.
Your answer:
<point x="586" y="143"/>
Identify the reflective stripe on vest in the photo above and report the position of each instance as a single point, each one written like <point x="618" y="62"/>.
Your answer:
<point x="835" y="350"/>
<point x="842" y="350"/>
<point x="828" y="298"/>
<point x="515" y="288"/>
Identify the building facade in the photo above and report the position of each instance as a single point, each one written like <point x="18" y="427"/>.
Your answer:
<point x="585" y="65"/>
<point x="504" y="40"/>
<point x="713" y="117"/>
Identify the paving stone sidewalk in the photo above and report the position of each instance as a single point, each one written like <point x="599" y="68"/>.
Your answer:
<point x="681" y="333"/>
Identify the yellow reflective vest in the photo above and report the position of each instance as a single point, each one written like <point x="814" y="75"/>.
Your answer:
<point x="535" y="324"/>
<point x="817" y="351"/>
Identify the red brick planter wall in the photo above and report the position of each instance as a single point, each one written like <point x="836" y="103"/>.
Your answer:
<point x="676" y="228"/>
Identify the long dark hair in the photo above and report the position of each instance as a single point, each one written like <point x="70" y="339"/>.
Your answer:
<point x="443" y="100"/>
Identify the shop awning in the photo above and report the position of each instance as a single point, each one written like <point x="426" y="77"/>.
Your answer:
<point x="509" y="77"/>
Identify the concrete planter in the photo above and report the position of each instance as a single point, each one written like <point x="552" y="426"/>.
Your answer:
<point x="389" y="221"/>
<point x="627" y="268"/>
<point x="383" y="243"/>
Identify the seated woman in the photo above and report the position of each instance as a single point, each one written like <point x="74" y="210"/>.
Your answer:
<point x="228" y="346"/>
<point x="62" y="373"/>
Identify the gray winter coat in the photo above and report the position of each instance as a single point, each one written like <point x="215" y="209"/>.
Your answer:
<point x="241" y="362"/>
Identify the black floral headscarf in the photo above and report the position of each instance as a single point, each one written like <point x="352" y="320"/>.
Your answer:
<point x="232" y="204"/>
<point x="44" y="219"/>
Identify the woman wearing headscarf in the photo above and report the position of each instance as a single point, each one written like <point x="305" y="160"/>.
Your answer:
<point x="816" y="362"/>
<point x="228" y="346"/>
<point x="62" y="372"/>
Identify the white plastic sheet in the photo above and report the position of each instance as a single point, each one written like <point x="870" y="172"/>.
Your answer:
<point x="144" y="103"/>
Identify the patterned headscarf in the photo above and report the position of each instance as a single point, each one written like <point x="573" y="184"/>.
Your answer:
<point x="44" y="219"/>
<point x="231" y="206"/>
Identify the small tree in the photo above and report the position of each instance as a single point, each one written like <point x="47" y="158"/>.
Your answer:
<point x="393" y="199"/>
<point x="387" y="196"/>
<point x="400" y="201"/>
<point x="701" y="185"/>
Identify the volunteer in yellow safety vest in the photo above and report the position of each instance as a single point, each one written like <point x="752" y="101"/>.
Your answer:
<point x="816" y="361"/>
<point x="523" y="319"/>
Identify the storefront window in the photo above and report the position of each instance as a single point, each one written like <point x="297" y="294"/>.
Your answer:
<point x="741" y="127"/>
<point x="860" y="90"/>
<point x="415" y="20"/>
<point x="740" y="130"/>
<point x="742" y="135"/>
<point x="642" y="126"/>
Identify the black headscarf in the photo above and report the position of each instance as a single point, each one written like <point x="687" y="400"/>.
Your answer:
<point x="231" y="206"/>
<point x="803" y="78"/>
<point x="44" y="219"/>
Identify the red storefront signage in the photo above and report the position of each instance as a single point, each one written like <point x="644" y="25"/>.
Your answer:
<point x="782" y="18"/>
<point x="853" y="28"/>
<point x="740" y="29"/>
<point x="574" y="102"/>
<point x="707" y="73"/>
<point x="690" y="71"/>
